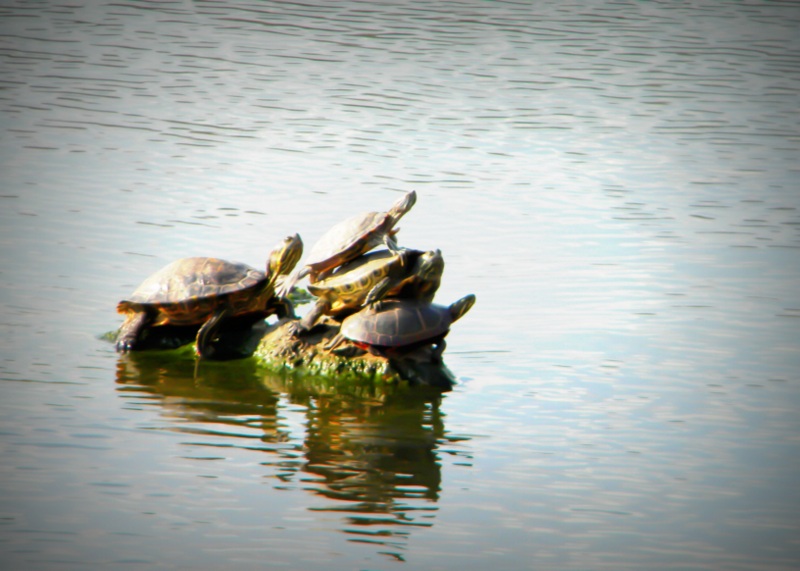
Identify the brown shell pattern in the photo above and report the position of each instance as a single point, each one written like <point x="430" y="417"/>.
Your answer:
<point x="399" y="323"/>
<point x="352" y="282"/>
<point x="358" y="232"/>
<point x="189" y="290"/>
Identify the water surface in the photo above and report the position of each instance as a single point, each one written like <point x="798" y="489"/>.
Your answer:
<point x="616" y="182"/>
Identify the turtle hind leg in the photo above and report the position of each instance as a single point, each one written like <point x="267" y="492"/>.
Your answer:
<point x="131" y="331"/>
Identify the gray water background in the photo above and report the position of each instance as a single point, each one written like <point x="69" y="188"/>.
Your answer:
<point x="617" y="182"/>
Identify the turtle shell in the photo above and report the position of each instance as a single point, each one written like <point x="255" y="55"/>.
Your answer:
<point x="189" y="290"/>
<point x="358" y="234"/>
<point x="398" y="323"/>
<point x="348" y="239"/>
<point x="350" y="284"/>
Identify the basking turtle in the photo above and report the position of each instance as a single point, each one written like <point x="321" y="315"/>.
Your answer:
<point x="402" y="325"/>
<point x="349" y="239"/>
<point x="203" y="291"/>
<point x="370" y="278"/>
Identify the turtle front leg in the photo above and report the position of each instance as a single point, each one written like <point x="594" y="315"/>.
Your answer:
<point x="229" y="336"/>
<point x="391" y="242"/>
<point x="204" y="343"/>
<point x="438" y="350"/>
<point x="384" y="286"/>
<point x="335" y="342"/>
<point x="378" y="292"/>
<point x="311" y="318"/>
<point x="300" y="326"/>
<point x="340" y="347"/>
<point x="130" y="333"/>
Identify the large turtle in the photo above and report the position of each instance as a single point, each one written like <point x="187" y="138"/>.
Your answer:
<point x="349" y="239"/>
<point x="371" y="277"/>
<point x="203" y="291"/>
<point x="400" y="326"/>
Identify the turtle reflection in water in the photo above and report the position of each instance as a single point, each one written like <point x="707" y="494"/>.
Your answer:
<point x="349" y="239"/>
<point x="397" y="327"/>
<point x="205" y="292"/>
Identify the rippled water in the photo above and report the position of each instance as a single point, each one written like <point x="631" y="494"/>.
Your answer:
<point x="616" y="182"/>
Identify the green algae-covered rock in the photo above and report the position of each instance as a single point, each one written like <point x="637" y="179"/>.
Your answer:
<point x="302" y="360"/>
<point x="304" y="356"/>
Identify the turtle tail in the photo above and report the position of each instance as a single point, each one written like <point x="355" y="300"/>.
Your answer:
<point x="460" y="307"/>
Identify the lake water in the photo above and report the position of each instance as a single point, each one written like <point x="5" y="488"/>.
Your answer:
<point x="617" y="182"/>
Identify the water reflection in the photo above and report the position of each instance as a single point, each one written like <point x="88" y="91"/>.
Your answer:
<point x="624" y="173"/>
<point x="370" y="454"/>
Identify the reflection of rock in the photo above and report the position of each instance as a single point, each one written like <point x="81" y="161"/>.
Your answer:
<point x="367" y="450"/>
<point x="305" y="356"/>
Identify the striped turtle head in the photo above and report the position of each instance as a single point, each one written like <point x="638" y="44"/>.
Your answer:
<point x="285" y="256"/>
<point x="402" y="206"/>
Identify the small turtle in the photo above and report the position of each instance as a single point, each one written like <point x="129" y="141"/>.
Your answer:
<point x="202" y="291"/>
<point x="349" y="239"/>
<point x="400" y="326"/>
<point x="370" y="278"/>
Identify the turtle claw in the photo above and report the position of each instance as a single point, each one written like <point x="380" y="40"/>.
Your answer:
<point x="296" y="328"/>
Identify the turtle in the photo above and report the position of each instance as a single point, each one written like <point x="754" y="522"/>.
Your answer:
<point x="399" y="326"/>
<point x="349" y="239"/>
<point x="201" y="291"/>
<point x="371" y="277"/>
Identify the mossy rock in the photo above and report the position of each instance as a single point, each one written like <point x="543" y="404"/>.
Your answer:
<point x="304" y="357"/>
<point x="302" y="360"/>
